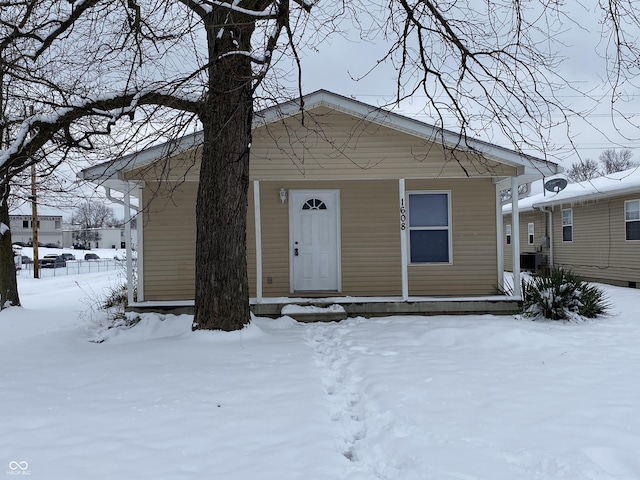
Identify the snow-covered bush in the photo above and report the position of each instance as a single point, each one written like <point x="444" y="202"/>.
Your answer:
<point x="561" y="295"/>
<point x="107" y="310"/>
<point x="115" y="304"/>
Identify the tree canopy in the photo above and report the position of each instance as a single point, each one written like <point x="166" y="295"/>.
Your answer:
<point x="610" y="161"/>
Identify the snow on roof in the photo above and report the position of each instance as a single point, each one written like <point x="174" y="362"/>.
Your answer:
<point x="614" y="184"/>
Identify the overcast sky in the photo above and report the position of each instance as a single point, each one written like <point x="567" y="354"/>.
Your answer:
<point x="338" y="61"/>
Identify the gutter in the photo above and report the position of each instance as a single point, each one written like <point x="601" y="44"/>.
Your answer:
<point x="588" y="196"/>
<point x="119" y="201"/>
<point x="549" y="230"/>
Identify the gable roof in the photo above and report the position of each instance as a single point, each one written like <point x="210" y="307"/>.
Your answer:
<point x="612" y="185"/>
<point x="529" y="167"/>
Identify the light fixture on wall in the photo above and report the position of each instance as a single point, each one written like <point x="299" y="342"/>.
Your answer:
<point x="283" y="195"/>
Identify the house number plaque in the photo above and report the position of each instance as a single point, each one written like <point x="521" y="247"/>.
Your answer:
<point x="403" y="215"/>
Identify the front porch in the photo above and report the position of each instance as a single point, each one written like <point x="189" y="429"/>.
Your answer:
<point x="339" y="308"/>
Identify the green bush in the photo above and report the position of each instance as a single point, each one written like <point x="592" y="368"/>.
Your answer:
<point x="561" y="295"/>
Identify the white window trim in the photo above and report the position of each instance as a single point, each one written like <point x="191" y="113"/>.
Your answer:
<point x="531" y="233"/>
<point x="568" y="225"/>
<point x="508" y="234"/>
<point x="449" y="227"/>
<point x="627" y="221"/>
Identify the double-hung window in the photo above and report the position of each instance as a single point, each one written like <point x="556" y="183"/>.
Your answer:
<point x="531" y="232"/>
<point x="429" y="227"/>
<point x="567" y="224"/>
<point x="632" y="219"/>
<point x="508" y="232"/>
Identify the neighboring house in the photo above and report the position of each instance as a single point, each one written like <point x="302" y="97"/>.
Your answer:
<point x="49" y="229"/>
<point x="591" y="228"/>
<point x="107" y="237"/>
<point x="353" y="202"/>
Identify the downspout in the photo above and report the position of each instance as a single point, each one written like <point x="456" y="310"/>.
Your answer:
<point x="549" y="232"/>
<point x="118" y="200"/>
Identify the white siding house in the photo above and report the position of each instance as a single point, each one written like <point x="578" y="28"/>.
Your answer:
<point x="108" y="237"/>
<point x="49" y="228"/>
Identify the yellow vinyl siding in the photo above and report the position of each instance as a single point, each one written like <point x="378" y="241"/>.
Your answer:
<point x="474" y="266"/>
<point x="275" y="241"/>
<point x="370" y="238"/>
<point x="371" y="259"/>
<point x="599" y="250"/>
<point x="169" y="243"/>
<point x="363" y="161"/>
<point x="333" y="145"/>
<point x="538" y="219"/>
<point x="507" y="248"/>
<point x="178" y="168"/>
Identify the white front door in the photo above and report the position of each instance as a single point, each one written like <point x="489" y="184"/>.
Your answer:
<point x="314" y="240"/>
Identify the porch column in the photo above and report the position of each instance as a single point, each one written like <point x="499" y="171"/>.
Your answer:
<point x="140" y="246"/>
<point x="258" y="227"/>
<point x="127" y="238"/>
<point x="499" y="243"/>
<point x="404" y="227"/>
<point x="515" y="236"/>
<point x="550" y="220"/>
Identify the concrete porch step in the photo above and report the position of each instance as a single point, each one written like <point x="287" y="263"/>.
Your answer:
<point x="315" y="312"/>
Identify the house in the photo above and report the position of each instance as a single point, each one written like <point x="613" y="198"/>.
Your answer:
<point x="49" y="229"/>
<point x="104" y="237"/>
<point x="591" y="228"/>
<point x="352" y="204"/>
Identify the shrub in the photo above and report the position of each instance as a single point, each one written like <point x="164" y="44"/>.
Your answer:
<point x="107" y="310"/>
<point x="562" y="295"/>
<point x="115" y="305"/>
<point x="117" y="297"/>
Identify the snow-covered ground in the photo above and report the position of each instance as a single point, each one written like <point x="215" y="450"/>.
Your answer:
<point x="398" y="398"/>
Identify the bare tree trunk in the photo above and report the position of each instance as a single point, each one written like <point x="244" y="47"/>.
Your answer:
<point x="8" y="281"/>
<point x="222" y="287"/>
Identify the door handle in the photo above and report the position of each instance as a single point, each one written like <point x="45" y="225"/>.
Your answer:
<point x="295" y="252"/>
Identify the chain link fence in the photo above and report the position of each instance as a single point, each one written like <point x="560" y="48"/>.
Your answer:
<point x="75" y="267"/>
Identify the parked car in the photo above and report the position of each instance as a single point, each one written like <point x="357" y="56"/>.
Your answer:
<point x="79" y="246"/>
<point x="91" y="256"/>
<point x="68" y="256"/>
<point x="52" y="261"/>
<point x="25" y="260"/>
